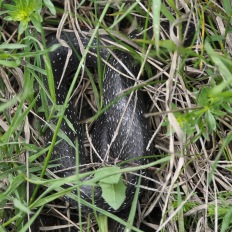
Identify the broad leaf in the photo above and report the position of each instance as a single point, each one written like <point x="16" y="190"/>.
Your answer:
<point x="114" y="194"/>
<point x="105" y="175"/>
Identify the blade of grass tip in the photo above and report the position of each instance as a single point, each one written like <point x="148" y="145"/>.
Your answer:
<point x="173" y="6"/>
<point x="156" y="6"/>
<point x="130" y="221"/>
<point x="168" y="15"/>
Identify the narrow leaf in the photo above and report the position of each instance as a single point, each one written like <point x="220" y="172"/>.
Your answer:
<point x="18" y="204"/>
<point x="226" y="220"/>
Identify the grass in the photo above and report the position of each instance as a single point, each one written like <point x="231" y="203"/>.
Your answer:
<point x="190" y="112"/>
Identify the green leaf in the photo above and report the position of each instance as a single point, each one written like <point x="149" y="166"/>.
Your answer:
<point x="18" y="204"/>
<point x="166" y="12"/>
<point x="35" y="21"/>
<point x="2" y="229"/>
<point x="11" y="64"/>
<point x="12" y="46"/>
<point x="9" y="7"/>
<point x="222" y="68"/>
<point x="203" y="96"/>
<point x="211" y="120"/>
<point x="168" y="44"/>
<point x="14" y="185"/>
<point x="50" y="6"/>
<point x="173" y="5"/>
<point x="226" y="220"/>
<point x="8" y="18"/>
<point x="114" y="194"/>
<point x="62" y="135"/>
<point x="227" y="107"/>
<point x="70" y="125"/>
<point x="227" y="7"/>
<point x="22" y="27"/>
<point x="108" y="171"/>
